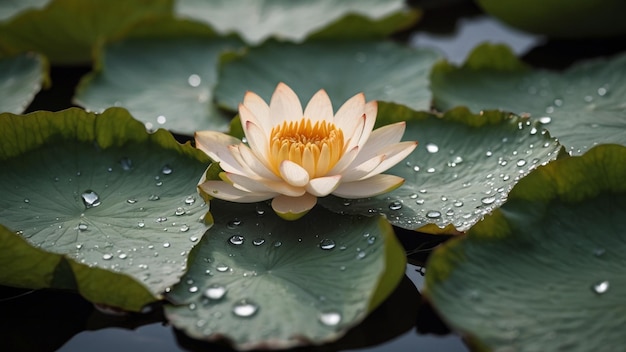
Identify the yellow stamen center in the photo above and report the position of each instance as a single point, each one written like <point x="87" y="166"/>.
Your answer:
<point x="316" y="147"/>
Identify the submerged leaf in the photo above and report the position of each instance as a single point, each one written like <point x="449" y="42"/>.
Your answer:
<point x="21" y="78"/>
<point x="94" y="192"/>
<point x="381" y="70"/>
<point x="295" y="20"/>
<point x="463" y="168"/>
<point x="582" y="106"/>
<point x="259" y="281"/>
<point x="545" y="271"/>
<point x="164" y="83"/>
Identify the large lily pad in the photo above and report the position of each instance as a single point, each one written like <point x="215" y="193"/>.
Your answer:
<point x="582" y="107"/>
<point x="21" y="77"/>
<point x="382" y="70"/>
<point x="66" y="31"/>
<point x="102" y="202"/>
<point x="163" y="82"/>
<point x="295" y="20"/>
<point x="463" y="168"/>
<point x="259" y="281"/>
<point x="545" y="271"/>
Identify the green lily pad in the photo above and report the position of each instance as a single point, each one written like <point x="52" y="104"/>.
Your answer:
<point x="9" y="9"/>
<point x="259" y="281"/>
<point x="545" y="271"/>
<point x="296" y="20"/>
<point x="163" y="82"/>
<point x="382" y="70"/>
<point x="582" y="107"/>
<point x="463" y="168"/>
<point x="100" y="201"/>
<point x="21" y="78"/>
<point x="66" y="31"/>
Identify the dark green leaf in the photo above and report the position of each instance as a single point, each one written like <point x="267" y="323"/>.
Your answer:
<point x="546" y="270"/>
<point x="259" y="281"/>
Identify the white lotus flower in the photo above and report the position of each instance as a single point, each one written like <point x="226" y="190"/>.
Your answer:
<point x="293" y="157"/>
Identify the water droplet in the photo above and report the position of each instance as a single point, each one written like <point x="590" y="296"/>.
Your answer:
<point x="488" y="200"/>
<point x="430" y="170"/>
<point x="327" y="244"/>
<point x="26" y="200"/>
<point x="153" y="197"/>
<point x="277" y="244"/>
<point x="330" y="318"/>
<point x="161" y="219"/>
<point x="261" y="212"/>
<point x="521" y="162"/>
<point x="166" y="245"/>
<point x="123" y="256"/>
<point x="193" y="289"/>
<point x="432" y="148"/>
<point x="185" y="228"/>
<point x="179" y="211"/>
<point x="107" y="256"/>
<point x="190" y="200"/>
<point x="420" y="201"/>
<point x="215" y="292"/>
<point x="245" y="308"/>
<point x="79" y="246"/>
<point x="131" y="201"/>
<point x="167" y="170"/>
<point x="126" y="163"/>
<point x="558" y="102"/>
<point x="433" y="214"/>
<point x="416" y="168"/>
<point x="258" y="241"/>
<point x="413" y="196"/>
<point x="371" y="240"/>
<point x="395" y="205"/>
<point x="488" y="153"/>
<point x="82" y="226"/>
<point x="161" y="119"/>
<point x="90" y="199"/>
<point x="236" y="240"/>
<point x="221" y="268"/>
<point x="602" y="91"/>
<point x="545" y="120"/>
<point x="233" y="223"/>
<point x="194" y="80"/>
<point x="361" y="255"/>
<point x="458" y="203"/>
<point x="600" y="287"/>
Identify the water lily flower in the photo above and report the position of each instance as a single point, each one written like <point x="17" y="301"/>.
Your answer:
<point x="294" y="157"/>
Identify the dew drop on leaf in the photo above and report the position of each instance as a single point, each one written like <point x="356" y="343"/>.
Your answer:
<point x="258" y="241"/>
<point x="432" y="148"/>
<point x="215" y="292"/>
<point x="488" y="200"/>
<point x="179" y="211"/>
<point x="236" y="240"/>
<point x="90" y="199"/>
<point x="601" y="287"/>
<point x="330" y="318"/>
<point x="167" y="170"/>
<point x="190" y="200"/>
<point x="395" y="205"/>
<point x="327" y="244"/>
<point x="126" y="163"/>
<point x="433" y="214"/>
<point x="221" y="268"/>
<point x="245" y="308"/>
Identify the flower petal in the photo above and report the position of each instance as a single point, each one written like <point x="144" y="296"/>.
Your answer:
<point x="257" y="140"/>
<point x="379" y="139"/>
<point x="323" y="186"/>
<point x="252" y="161"/>
<point x="216" y="146"/>
<point x="258" y="108"/>
<point x="225" y="191"/>
<point x="371" y="110"/>
<point x="348" y="114"/>
<point x="293" y="208"/>
<point x="293" y="173"/>
<point x="284" y="105"/>
<point x="345" y="160"/>
<point x="370" y="187"/>
<point x="393" y="155"/>
<point x="264" y="186"/>
<point x="319" y="108"/>
<point x="363" y="169"/>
